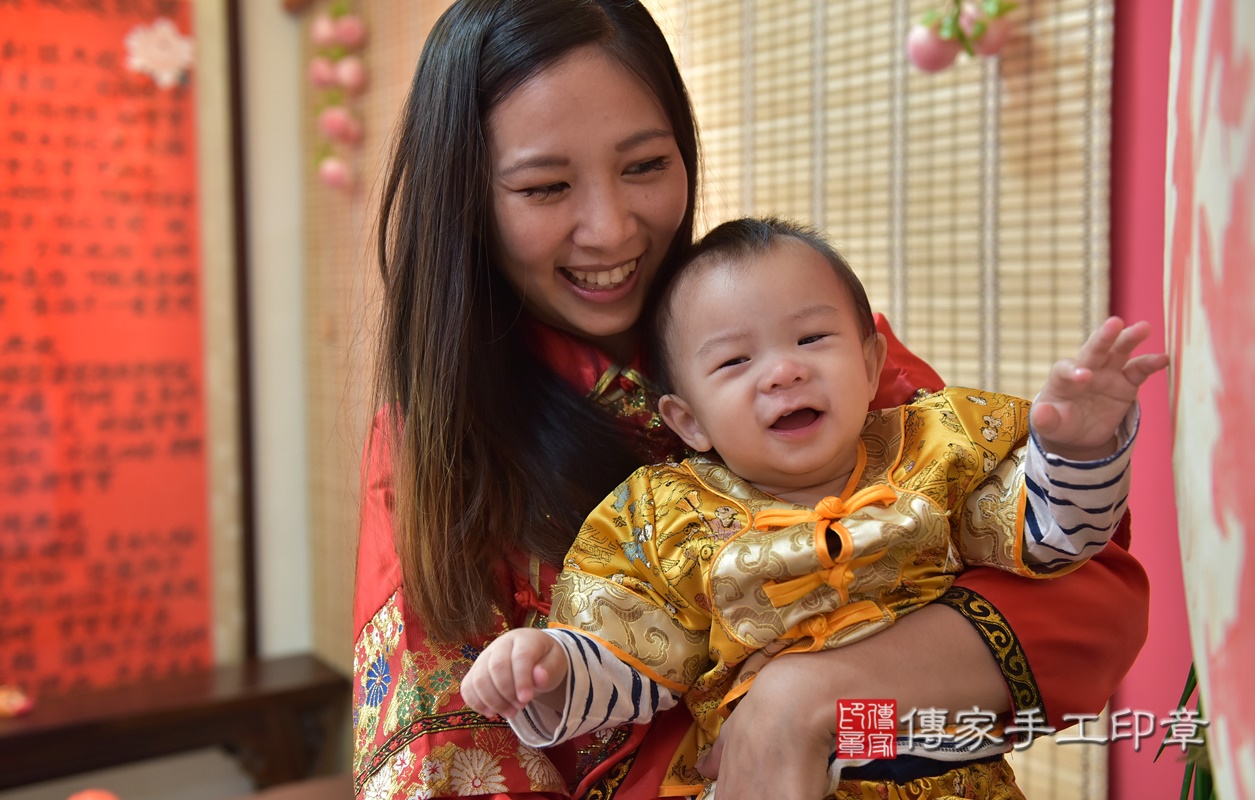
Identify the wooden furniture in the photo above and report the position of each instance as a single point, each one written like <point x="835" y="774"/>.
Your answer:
<point x="273" y="715"/>
<point x="332" y="787"/>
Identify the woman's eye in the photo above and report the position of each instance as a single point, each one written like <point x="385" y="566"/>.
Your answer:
<point x="814" y="337"/>
<point x="653" y="165"/>
<point x="543" y="192"/>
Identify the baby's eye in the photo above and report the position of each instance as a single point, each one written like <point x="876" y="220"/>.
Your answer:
<point x="814" y="337"/>
<point x="652" y="165"/>
<point x="544" y="192"/>
<point x="732" y="362"/>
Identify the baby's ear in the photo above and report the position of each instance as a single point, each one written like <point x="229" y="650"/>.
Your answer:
<point x="875" y="351"/>
<point x="680" y="418"/>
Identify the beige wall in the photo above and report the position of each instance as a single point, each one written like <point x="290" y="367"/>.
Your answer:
<point x="273" y="85"/>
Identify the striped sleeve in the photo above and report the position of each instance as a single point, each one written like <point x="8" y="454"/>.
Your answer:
<point x="602" y="692"/>
<point x="1074" y="507"/>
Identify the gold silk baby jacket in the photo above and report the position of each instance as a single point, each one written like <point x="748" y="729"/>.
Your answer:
<point x="686" y="570"/>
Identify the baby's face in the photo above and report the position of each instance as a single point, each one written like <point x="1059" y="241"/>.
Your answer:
<point x="771" y="369"/>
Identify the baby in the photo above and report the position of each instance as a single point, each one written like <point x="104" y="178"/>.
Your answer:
<point x="806" y="522"/>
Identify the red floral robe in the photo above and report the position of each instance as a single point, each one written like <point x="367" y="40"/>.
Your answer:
<point x="1063" y="645"/>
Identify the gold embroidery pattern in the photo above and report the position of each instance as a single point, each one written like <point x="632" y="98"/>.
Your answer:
<point x="630" y="624"/>
<point x="372" y="668"/>
<point x="990" y="781"/>
<point x="608" y="785"/>
<point x="632" y="397"/>
<point x="628" y="392"/>
<point x="990" y="513"/>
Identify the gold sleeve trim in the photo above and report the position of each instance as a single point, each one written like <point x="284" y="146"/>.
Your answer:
<point x="1002" y="643"/>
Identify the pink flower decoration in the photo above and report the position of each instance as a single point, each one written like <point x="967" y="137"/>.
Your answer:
<point x="322" y="31"/>
<point x="322" y="73"/>
<point x="350" y="73"/>
<point x="350" y="31"/>
<point x="160" y="51"/>
<point x="928" y="51"/>
<point x="333" y="172"/>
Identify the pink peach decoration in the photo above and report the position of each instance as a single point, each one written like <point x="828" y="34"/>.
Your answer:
<point x="927" y="49"/>
<point x="338" y="75"/>
<point x="976" y="27"/>
<point x="350" y="74"/>
<point x="333" y="172"/>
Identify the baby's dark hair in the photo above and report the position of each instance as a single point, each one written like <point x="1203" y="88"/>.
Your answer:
<point x="734" y="243"/>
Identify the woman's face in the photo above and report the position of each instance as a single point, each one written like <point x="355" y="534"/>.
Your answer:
<point x="588" y="191"/>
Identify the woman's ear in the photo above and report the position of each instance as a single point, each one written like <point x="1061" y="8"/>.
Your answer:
<point x="875" y="351"/>
<point x="679" y="418"/>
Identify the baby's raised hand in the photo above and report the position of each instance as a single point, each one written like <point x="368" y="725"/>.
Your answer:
<point x="1078" y="410"/>
<point x="513" y="670"/>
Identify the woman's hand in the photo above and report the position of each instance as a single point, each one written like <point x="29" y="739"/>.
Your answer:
<point x="929" y="658"/>
<point x="778" y="722"/>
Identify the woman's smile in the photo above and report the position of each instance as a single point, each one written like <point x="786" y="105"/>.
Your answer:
<point x="602" y="286"/>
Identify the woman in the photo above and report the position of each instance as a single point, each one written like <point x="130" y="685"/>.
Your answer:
<point x="544" y="174"/>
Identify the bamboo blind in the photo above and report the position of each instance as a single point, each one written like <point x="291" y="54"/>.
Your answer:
<point x="973" y="203"/>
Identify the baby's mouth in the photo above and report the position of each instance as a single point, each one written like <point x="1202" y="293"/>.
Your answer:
<point x="795" y="420"/>
<point x="605" y="279"/>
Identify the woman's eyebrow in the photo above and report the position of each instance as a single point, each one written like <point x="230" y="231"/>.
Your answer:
<point x="641" y="137"/>
<point x="534" y="162"/>
<point x="543" y="161"/>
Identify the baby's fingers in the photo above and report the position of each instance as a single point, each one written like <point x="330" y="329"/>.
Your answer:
<point x="551" y="671"/>
<point x="480" y="693"/>
<point x="1128" y="340"/>
<point x="1139" y="368"/>
<point x="1045" y="418"/>
<point x="529" y="651"/>
<point x="1112" y="343"/>
<point x="1097" y="347"/>
<point x="1067" y="379"/>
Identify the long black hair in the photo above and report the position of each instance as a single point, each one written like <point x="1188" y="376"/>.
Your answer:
<point x="492" y="450"/>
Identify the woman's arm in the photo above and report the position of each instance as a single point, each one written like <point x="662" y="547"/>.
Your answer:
<point x="1065" y="644"/>
<point x="930" y="658"/>
<point x="996" y="642"/>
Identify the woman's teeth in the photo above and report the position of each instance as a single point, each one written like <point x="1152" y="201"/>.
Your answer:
<point x="606" y="279"/>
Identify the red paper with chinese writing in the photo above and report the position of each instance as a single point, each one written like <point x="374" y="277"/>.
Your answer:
<point x="103" y="510"/>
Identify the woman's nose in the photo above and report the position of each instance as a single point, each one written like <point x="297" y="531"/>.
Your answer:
<point x="606" y="220"/>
